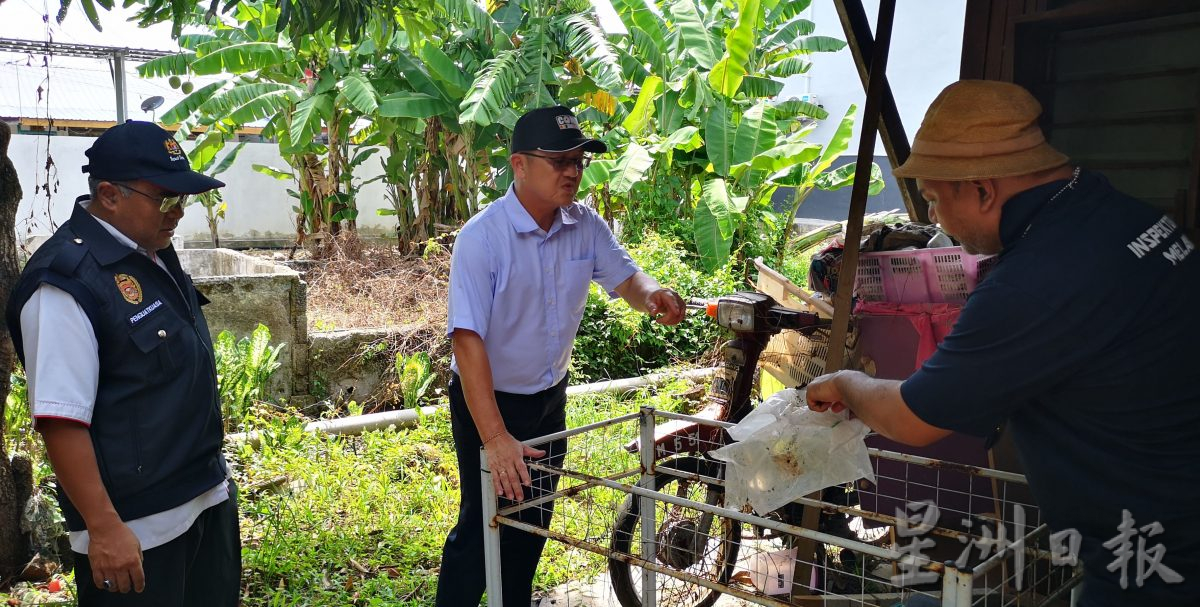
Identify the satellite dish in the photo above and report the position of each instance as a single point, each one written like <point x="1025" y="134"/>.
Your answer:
<point x="152" y="103"/>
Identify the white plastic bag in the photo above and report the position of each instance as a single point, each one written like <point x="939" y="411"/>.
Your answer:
<point x="785" y="450"/>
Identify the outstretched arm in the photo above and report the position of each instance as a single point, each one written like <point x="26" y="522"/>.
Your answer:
<point x="644" y="294"/>
<point x="877" y="402"/>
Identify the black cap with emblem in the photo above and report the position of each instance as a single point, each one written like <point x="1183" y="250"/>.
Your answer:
<point x="143" y="150"/>
<point x="551" y="129"/>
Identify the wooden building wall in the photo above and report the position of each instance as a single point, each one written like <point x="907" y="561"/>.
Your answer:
<point x="1119" y="81"/>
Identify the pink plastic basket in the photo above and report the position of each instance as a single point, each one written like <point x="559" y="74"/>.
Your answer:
<point x="943" y="275"/>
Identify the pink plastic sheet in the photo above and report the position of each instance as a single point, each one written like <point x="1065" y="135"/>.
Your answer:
<point x="899" y="337"/>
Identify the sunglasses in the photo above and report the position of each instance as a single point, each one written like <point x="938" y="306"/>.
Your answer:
<point x="165" y="203"/>
<point x="561" y="164"/>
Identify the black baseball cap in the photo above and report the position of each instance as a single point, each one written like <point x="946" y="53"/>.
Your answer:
<point x="551" y="129"/>
<point x="144" y="150"/>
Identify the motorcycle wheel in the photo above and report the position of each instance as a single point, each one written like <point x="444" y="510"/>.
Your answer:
<point x="683" y="546"/>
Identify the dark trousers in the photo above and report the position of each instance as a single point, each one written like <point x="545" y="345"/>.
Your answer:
<point x="461" y="580"/>
<point x="201" y="568"/>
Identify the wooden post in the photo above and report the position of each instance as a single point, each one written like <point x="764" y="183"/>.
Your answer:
<point x="862" y="178"/>
<point x="876" y="83"/>
<point x="891" y="129"/>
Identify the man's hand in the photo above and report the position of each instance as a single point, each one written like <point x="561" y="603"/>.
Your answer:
<point x="666" y="306"/>
<point x="114" y="551"/>
<point x="505" y="456"/>
<point x="115" y="555"/>
<point x="823" y="394"/>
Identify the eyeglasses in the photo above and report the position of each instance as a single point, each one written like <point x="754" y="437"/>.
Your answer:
<point x="165" y="203"/>
<point x="561" y="163"/>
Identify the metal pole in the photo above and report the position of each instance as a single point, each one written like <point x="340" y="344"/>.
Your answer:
<point x="118" y="63"/>
<point x="949" y="586"/>
<point x="956" y="586"/>
<point x="491" y="535"/>
<point x="646" y="505"/>
<point x="966" y="588"/>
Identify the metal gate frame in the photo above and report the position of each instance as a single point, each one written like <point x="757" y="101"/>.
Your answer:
<point x="958" y="585"/>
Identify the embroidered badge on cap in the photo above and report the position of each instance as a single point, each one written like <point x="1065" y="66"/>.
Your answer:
<point x="567" y="122"/>
<point x="173" y="150"/>
<point x="129" y="287"/>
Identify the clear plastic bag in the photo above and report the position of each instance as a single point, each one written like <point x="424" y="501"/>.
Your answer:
<point x="784" y="451"/>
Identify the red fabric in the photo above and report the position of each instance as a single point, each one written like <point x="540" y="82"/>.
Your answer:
<point x="69" y="419"/>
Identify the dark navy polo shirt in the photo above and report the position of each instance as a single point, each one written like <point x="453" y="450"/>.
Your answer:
<point x="1082" y="342"/>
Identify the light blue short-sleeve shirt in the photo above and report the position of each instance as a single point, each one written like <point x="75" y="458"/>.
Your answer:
<point x="523" y="289"/>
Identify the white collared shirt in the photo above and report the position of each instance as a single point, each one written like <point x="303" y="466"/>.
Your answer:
<point x="522" y="289"/>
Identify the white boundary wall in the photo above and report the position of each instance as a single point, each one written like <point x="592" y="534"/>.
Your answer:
<point x="259" y="207"/>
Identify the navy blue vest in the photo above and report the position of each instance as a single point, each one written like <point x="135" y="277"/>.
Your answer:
<point x="156" y="427"/>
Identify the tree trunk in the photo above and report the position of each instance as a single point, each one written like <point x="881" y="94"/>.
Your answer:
<point x="14" y="489"/>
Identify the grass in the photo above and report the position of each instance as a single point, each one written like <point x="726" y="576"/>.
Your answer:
<point x="360" y="521"/>
<point x="346" y="520"/>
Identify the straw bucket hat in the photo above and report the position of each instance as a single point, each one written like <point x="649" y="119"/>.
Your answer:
<point x="979" y="129"/>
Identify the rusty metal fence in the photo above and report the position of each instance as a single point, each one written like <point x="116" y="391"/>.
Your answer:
<point x="926" y="533"/>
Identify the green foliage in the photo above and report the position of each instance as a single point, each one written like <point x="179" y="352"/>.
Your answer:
<point x="416" y="376"/>
<point x="18" y="426"/>
<point x="213" y="201"/>
<point x="714" y="223"/>
<point x="616" y="341"/>
<point x="686" y="98"/>
<point x="346" y="520"/>
<point x="704" y="73"/>
<point x="361" y="520"/>
<point x="345" y="19"/>
<point x="244" y="370"/>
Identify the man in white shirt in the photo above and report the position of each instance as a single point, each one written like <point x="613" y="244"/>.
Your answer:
<point x="122" y="384"/>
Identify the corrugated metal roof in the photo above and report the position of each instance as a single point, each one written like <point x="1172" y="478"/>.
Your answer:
<point x="76" y="89"/>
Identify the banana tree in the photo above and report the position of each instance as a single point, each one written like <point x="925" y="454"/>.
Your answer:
<point x="213" y="201"/>
<point x="702" y="127"/>
<point x="349" y="20"/>
<point x="309" y="94"/>
<point x="464" y="75"/>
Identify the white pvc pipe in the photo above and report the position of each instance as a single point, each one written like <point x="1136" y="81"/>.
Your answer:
<point x="405" y="418"/>
<point x="348" y="425"/>
<point x="633" y="383"/>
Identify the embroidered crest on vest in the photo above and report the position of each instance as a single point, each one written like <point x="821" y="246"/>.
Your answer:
<point x="129" y="288"/>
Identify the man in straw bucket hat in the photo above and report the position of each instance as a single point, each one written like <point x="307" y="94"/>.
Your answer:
<point x="1080" y="342"/>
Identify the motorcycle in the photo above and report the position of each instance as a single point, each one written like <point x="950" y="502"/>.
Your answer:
<point x="690" y="541"/>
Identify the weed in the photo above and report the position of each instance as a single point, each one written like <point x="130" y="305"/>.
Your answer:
<point x="359" y="519"/>
<point x="18" y="431"/>
<point x="416" y="376"/>
<point x="243" y="370"/>
<point x="340" y="520"/>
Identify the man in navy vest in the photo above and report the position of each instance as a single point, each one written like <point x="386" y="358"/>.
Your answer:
<point x="122" y="384"/>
